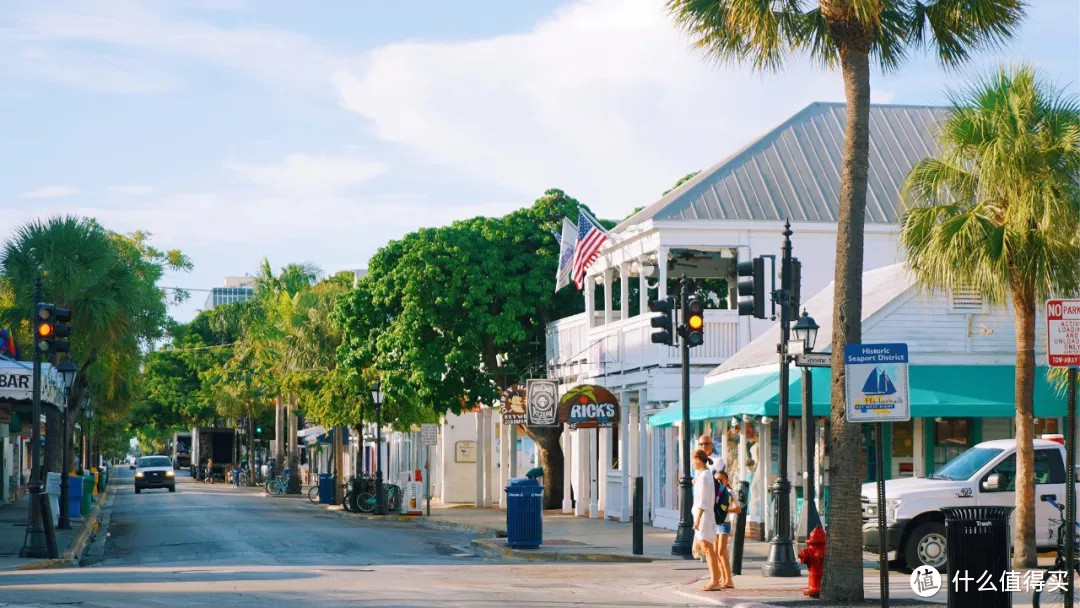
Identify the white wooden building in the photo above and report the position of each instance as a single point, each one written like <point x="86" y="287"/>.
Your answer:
<point x="732" y="211"/>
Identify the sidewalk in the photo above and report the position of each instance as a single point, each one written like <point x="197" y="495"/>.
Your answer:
<point x="70" y="543"/>
<point x="566" y="537"/>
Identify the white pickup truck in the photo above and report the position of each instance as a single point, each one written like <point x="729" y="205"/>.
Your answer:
<point x="984" y="475"/>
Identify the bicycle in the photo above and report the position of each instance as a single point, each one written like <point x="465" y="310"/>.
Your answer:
<point x="366" y="501"/>
<point x="1054" y="576"/>
<point x="277" y="486"/>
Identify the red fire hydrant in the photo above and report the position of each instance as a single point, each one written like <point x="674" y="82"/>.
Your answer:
<point x="814" y="558"/>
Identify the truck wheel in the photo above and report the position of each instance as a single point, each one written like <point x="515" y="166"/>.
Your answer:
<point x="138" y="490"/>
<point x="926" y="546"/>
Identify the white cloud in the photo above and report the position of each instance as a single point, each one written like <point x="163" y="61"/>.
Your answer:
<point x="51" y="192"/>
<point x="303" y="172"/>
<point x="605" y="99"/>
<point x="92" y="71"/>
<point x="131" y="190"/>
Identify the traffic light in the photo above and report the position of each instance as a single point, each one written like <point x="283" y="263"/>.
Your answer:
<point x="695" y="323"/>
<point x="662" y="321"/>
<point x="43" y="328"/>
<point x="61" y="330"/>
<point x="751" y="287"/>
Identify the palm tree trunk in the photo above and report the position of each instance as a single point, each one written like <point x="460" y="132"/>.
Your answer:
<point x="1023" y="300"/>
<point x="843" y="578"/>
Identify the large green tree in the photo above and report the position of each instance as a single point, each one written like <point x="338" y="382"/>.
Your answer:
<point x="439" y="305"/>
<point x="851" y="35"/>
<point x="110" y="281"/>
<point x="998" y="211"/>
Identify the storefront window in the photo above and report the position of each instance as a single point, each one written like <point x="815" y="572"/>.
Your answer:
<point x="1045" y="426"/>
<point x="951" y="437"/>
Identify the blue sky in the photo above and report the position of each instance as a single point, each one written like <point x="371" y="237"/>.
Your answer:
<point x="238" y="129"/>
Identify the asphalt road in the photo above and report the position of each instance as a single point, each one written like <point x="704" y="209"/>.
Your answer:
<point x="211" y="545"/>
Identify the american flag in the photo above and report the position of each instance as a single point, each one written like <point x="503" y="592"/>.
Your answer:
<point x="590" y="236"/>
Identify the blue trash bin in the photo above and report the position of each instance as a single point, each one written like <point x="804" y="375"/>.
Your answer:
<point x="236" y="478"/>
<point x="524" y="513"/>
<point x="74" y="497"/>
<point x="326" y="488"/>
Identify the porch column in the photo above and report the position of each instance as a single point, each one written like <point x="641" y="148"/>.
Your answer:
<point x="624" y="452"/>
<point x="741" y="472"/>
<point x="594" y="495"/>
<point x="581" y="488"/>
<point x="590" y="302"/>
<point x="479" y="460"/>
<point x="604" y="437"/>
<point x="568" y="468"/>
<point x="607" y="296"/>
<point x="764" y="464"/>
<point x="643" y="468"/>
<point x="918" y="447"/>
<point x="661" y="271"/>
<point x="491" y="459"/>
<point x="624" y="290"/>
<point x="504" y="461"/>
<point x="643" y="293"/>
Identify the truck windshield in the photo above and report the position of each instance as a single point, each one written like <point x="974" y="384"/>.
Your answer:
<point x="965" y="465"/>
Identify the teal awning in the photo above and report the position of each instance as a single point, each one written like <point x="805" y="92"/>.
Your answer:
<point x="973" y="391"/>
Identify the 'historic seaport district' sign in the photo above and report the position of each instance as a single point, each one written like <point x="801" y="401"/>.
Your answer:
<point x="876" y="383"/>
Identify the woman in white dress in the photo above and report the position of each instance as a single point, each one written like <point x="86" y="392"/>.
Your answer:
<point x="704" y="519"/>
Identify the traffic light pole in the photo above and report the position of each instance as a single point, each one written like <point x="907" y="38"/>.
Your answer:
<point x="684" y="535"/>
<point x="781" y="561"/>
<point x="34" y="544"/>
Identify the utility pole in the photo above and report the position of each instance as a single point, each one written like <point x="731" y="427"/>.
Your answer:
<point x="34" y="544"/>
<point x="684" y="535"/>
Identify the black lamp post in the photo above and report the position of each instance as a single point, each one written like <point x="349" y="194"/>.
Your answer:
<point x="377" y="399"/>
<point x="88" y="437"/>
<point x="67" y="373"/>
<point x="34" y="543"/>
<point x="781" y="560"/>
<point x="806" y="330"/>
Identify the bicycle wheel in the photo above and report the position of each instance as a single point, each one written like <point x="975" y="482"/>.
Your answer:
<point x="347" y="502"/>
<point x="313" y="494"/>
<point x="366" y="503"/>
<point x="269" y="486"/>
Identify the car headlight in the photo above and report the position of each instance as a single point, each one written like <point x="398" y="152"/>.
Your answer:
<point x="169" y="474"/>
<point x="138" y="474"/>
<point x="892" y="505"/>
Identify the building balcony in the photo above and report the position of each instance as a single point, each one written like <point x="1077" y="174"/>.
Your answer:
<point x="575" y="352"/>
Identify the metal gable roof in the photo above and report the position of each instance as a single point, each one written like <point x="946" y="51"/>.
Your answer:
<point x="793" y="171"/>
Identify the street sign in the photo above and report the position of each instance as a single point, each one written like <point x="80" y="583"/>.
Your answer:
<point x="877" y="383"/>
<point x="814" y="360"/>
<point x="541" y="402"/>
<point x="795" y="347"/>
<point x="429" y="434"/>
<point x="1063" y="333"/>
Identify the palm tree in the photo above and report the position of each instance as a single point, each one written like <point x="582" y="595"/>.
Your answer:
<point x="847" y="34"/>
<point x="997" y="211"/>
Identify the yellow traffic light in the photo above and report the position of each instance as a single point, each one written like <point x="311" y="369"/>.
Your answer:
<point x="695" y="322"/>
<point x="44" y="330"/>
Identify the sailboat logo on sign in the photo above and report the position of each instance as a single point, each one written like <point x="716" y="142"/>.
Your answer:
<point x="878" y="393"/>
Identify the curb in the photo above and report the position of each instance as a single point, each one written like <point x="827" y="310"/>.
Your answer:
<point x="498" y="548"/>
<point x="719" y="602"/>
<point x="419" y="520"/>
<point x="73" y="554"/>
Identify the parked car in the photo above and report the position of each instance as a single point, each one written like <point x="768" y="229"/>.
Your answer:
<point x="984" y="475"/>
<point x="154" y="472"/>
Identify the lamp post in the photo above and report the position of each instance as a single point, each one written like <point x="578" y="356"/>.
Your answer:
<point x="88" y="437"/>
<point x="806" y="330"/>
<point x="67" y="373"/>
<point x="377" y="399"/>
<point x="781" y="560"/>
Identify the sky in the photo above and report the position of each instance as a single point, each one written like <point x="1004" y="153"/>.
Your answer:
<point x="316" y="132"/>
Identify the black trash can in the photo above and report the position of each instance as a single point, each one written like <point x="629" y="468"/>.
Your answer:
<point x="524" y="513"/>
<point x="977" y="545"/>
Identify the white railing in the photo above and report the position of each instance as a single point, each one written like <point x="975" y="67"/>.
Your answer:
<point x="626" y="345"/>
<point x="615" y="496"/>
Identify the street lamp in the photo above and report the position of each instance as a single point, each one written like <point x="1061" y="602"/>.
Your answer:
<point x="806" y="329"/>
<point x="67" y="373"/>
<point x="377" y="399"/>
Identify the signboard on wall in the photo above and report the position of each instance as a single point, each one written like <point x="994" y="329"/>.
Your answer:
<point x="588" y="407"/>
<point x="513" y="405"/>
<point x="877" y="383"/>
<point x="465" y="451"/>
<point x="541" y="402"/>
<point x="5" y="413"/>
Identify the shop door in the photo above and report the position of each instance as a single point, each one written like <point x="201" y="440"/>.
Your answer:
<point x="903" y="449"/>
